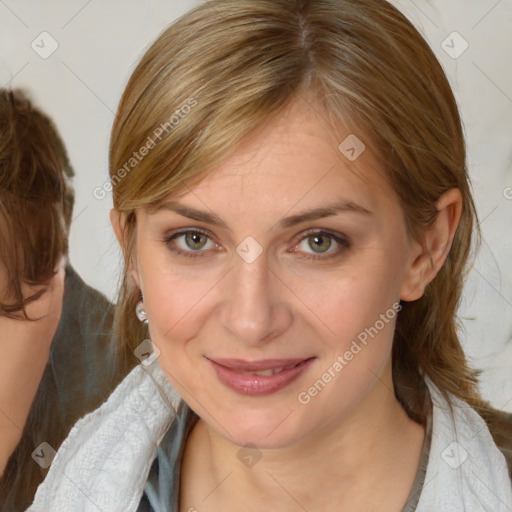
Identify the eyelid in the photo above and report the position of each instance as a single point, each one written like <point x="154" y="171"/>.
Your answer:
<point x="183" y="231"/>
<point x="339" y="238"/>
<point x="177" y="233"/>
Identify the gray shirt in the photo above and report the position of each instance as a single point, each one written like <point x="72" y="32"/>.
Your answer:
<point x="82" y="369"/>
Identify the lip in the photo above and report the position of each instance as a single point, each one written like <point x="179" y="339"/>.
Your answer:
<point x="231" y="373"/>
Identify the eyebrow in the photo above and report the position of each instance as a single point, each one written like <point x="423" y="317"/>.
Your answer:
<point x="328" y="210"/>
<point x="190" y="213"/>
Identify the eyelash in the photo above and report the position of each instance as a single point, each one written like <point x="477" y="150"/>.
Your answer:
<point x="188" y="254"/>
<point x="341" y="240"/>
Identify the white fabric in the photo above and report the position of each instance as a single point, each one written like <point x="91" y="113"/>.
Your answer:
<point x="466" y="472"/>
<point x="104" y="462"/>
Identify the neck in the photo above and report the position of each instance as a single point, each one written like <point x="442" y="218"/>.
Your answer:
<point x="25" y="347"/>
<point x="20" y="375"/>
<point x="367" y="461"/>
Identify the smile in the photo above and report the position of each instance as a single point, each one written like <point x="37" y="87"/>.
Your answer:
<point x="259" y="378"/>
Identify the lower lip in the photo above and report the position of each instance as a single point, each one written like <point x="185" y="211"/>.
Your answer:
<point x="258" y="385"/>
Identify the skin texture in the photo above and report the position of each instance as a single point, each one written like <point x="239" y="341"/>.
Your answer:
<point x="352" y="446"/>
<point x="25" y="347"/>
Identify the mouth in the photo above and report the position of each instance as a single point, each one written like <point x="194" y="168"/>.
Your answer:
<point x="258" y="378"/>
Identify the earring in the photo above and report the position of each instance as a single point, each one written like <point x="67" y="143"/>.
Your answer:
<point x="141" y="312"/>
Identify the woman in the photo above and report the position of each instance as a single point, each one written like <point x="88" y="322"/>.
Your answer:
<point x="291" y="197"/>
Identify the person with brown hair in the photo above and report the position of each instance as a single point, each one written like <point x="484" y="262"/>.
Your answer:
<point x="58" y="361"/>
<point x="296" y="232"/>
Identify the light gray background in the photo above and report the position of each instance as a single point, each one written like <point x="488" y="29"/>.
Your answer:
<point x="99" y="42"/>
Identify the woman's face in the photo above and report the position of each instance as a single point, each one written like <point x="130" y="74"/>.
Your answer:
<point x="272" y="287"/>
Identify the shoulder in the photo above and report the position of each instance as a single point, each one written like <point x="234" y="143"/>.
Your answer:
<point x="87" y="318"/>
<point x="87" y="304"/>
<point x="84" y="365"/>
<point x="465" y="466"/>
<point x="108" y="453"/>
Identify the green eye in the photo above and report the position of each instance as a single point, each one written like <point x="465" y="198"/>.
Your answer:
<point x="319" y="243"/>
<point x="322" y="244"/>
<point x="195" y="241"/>
<point x="190" y="243"/>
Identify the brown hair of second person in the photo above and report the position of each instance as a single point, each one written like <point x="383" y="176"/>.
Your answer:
<point x="36" y="199"/>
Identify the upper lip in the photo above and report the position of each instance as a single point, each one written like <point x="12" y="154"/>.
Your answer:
<point x="265" y="364"/>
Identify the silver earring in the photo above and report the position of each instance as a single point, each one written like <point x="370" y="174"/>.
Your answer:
<point x="141" y="312"/>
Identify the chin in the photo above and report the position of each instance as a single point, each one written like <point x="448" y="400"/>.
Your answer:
<point x="265" y="429"/>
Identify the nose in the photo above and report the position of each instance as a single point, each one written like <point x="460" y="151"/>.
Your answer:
<point x="254" y="309"/>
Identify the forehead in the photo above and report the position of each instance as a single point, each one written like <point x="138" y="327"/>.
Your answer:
<point x="296" y="161"/>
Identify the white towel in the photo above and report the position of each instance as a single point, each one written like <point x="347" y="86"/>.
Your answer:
<point x="466" y="472"/>
<point x="104" y="462"/>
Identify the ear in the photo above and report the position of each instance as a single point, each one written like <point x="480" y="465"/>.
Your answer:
<point x="429" y="254"/>
<point x="118" y="221"/>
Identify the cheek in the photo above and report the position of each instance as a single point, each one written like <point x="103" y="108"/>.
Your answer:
<point x="354" y="315"/>
<point x="173" y="296"/>
<point x="346" y="300"/>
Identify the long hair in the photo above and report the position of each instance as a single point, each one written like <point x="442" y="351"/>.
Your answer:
<point x="227" y="67"/>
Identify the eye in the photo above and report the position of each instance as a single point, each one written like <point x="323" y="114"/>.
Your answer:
<point x="321" y="244"/>
<point x="189" y="242"/>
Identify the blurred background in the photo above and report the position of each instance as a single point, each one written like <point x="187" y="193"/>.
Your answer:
<point x="74" y="58"/>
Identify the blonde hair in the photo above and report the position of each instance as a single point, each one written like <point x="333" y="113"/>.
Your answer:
<point x="243" y="62"/>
